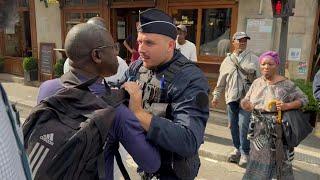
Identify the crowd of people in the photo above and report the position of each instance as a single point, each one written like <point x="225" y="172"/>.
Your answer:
<point x="161" y="118"/>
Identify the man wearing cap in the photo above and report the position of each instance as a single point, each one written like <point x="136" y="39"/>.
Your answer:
<point x="169" y="96"/>
<point x="187" y="48"/>
<point x="231" y="79"/>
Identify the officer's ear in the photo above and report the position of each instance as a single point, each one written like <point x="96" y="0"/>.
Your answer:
<point x="172" y="45"/>
<point x="96" y="56"/>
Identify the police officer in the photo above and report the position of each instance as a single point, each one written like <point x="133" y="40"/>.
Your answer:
<point x="169" y="96"/>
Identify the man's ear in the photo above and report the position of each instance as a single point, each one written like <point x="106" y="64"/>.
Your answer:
<point x="172" y="44"/>
<point x="96" y="56"/>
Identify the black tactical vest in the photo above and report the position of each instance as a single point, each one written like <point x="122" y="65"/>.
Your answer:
<point x="156" y="100"/>
<point x="155" y="86"/>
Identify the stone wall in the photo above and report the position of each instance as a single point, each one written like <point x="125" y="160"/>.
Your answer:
<point x="48" y="22"/>
<point x="300" y="32"/>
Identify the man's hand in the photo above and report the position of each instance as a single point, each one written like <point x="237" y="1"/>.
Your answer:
<point x="135" y="92"/>
<point x="246" y="105"/>
<point x="135" y="104"/>
<point x="214" y="103"/>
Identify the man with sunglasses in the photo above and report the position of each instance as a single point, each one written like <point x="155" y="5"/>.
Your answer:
<point x="90" y="50"/>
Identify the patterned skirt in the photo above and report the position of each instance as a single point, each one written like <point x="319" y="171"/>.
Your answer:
<point x="262" y="157"/>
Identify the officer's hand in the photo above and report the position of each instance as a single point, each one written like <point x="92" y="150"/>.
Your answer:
<point x="214" y="103"/>
<point x="135" y="92"/>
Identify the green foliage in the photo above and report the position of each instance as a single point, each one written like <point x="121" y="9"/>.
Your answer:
<point x="29" y="64"/>
<point x="58" y="68"/>
<point x="1" y="63"/>
<point x="306" y="87"/>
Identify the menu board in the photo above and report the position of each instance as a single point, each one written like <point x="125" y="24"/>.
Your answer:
<point x="47" y="57"/>
<point x="261" y="33"/>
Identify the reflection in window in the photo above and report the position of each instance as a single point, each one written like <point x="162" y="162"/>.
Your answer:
<point x="91" y="2"/>
<point x="72" y="2"/>
<point x="87" y="16"/>
<point x="72" y="19"/>
<point x="187" y="17"/>
<point x="17" y="39"/>
<point x="215" y="34"/>
<point x="23" y="3"/>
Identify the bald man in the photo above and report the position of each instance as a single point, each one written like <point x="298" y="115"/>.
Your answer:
<point x="90" y="50"/>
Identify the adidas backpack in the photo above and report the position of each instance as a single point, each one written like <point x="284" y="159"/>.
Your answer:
<point x="65" y="135"/>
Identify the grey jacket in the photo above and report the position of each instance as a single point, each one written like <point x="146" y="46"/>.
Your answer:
<point x="230" y="79"/>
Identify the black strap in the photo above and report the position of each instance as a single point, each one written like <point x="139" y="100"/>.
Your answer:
<point x="236" y="63"/>
<point x="101" y="166"/>
<point x="24" y="157"/>
<point x="123" y="170"/>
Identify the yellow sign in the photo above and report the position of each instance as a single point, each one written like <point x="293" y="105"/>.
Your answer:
<point x="52" y="1"/>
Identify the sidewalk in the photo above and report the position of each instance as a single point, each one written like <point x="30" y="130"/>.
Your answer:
<point x="217" y="145"/>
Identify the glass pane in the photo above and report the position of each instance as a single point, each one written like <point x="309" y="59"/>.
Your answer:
<point x="87" y="16"/>
<point x="23" y="3"/>
<point x="187" y="17"/>
<point x="121" y="0"/>
<point x="91" y="2"/>
<point x="72" y="19"/>
<point x="215" y="34"/>
<point x="18" y="37"/>
<point x="72" y="2"/>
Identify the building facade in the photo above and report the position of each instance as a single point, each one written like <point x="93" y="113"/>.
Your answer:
<point x="210" y="24"/>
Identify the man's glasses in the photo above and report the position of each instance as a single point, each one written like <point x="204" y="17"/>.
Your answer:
<point x="106" y="46"/>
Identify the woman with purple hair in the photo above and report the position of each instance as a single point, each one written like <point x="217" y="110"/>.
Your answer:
<point x="269" y="156"/>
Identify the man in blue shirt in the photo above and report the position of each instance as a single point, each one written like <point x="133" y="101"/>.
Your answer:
<point x="167" y="80"/>
<point x="90" y="50"/>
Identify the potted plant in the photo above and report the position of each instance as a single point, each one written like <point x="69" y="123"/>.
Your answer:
<point x="58" y="68"/>
<point x="30" y="67"/>
<point x="1" y="63"/>
<point x="313" y="106"/>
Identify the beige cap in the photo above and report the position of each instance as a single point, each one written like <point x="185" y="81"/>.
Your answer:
<point x="182" y="27"/>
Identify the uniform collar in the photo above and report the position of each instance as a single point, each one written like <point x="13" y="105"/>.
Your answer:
<point x="176" y="55"/>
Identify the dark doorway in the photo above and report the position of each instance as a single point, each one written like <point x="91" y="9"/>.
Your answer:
<point x="125" y="25"/>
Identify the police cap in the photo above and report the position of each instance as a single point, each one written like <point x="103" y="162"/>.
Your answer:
<point x="156" y="21"/>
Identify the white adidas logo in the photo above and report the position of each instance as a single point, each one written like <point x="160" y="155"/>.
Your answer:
<point x="48" y="138"/>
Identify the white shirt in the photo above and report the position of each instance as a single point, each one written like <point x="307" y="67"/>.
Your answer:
<point x="120" y="72"/>
<point x="188" y="49"/>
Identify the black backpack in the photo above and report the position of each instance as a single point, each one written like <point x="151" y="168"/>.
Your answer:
<point x="66" y="134"/>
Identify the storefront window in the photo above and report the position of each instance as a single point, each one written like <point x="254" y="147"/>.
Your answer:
<point x="17" y="39"/>
<point x="87" y="16"/>
<point x="72" y="19"/>
<point x="91" y="2"/>
<point x="215" y="34"/>
<point x="23" y="3"/>
<point x="72" y="2"/>
<point x="187" y="17"/>
<point x="76" y="18"/>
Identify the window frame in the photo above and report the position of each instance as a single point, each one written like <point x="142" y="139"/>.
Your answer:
<point x="82" y="9"/>
<point x="208" y="59"/>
